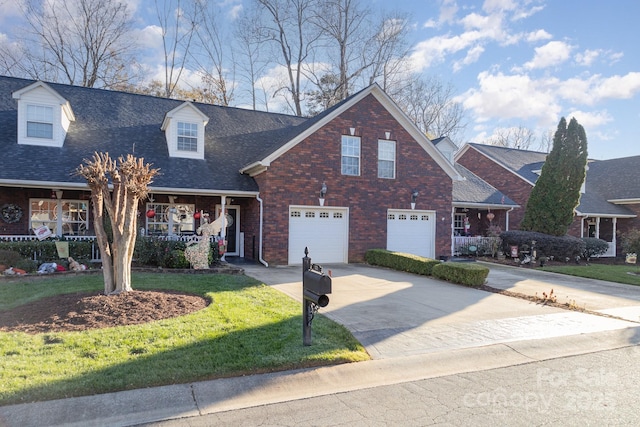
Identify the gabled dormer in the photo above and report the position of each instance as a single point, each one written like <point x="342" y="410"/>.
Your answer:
<point x="184" y="131"/>
<point x="446" y="146"/>
<point x="44" y="115"/>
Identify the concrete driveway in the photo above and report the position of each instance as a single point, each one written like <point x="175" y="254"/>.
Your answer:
<point x="395" y="314"/>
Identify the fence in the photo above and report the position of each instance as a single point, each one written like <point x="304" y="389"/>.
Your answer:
<point x="95" y="250"/>
<point x="475" y="245"/>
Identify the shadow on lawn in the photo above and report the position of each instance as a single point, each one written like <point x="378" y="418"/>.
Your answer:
<point x="225" y="356"/>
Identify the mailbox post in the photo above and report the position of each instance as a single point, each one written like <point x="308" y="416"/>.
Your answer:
<point x="315" y="287"/>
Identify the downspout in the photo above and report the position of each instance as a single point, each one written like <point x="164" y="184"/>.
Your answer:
<point x="506" y="225"/>
<point x="265" y="263"/>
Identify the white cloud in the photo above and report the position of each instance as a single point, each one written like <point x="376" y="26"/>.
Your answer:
<point x="587" y="57"/>
<point x="618" y="87"/>
<point x="235" y="12"/>
<point x="537" y="35"/>
<point x="473" y="55"/>
<point x="594" y="89"/>
<point x="504" y="97"/>
<point x="490" y="6"/>
<point x="149" y="37"/>
<point x="592" y="119"/>
<point x="448" y="10"/>
<point x="553" y="53"/>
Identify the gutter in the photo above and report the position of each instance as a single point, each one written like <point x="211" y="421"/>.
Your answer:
<point x="262" y="261"/>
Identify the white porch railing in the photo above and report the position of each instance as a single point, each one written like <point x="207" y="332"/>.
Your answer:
<point x="95" y="250"/>
<point x="464" y="245"/>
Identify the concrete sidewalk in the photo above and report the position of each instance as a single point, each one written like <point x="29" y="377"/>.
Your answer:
<point x="414" y="327"/>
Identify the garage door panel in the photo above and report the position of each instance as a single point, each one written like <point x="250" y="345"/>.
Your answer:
<point x="323" y="230"/>
<point x="411" y="232"/>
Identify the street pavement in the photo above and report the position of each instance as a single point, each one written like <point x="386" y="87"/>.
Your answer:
<point x="413" y="327"/>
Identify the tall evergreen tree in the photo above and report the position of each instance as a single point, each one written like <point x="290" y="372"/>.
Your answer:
<point x="551" y="206"/>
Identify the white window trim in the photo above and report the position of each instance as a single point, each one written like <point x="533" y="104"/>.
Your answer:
<point x="41" y="94"/>
<point x="393" y="161"/>
<point x="164" y="218"/>
<point x="190" y="137"/>
<point x="184" y="113"/>
<point x="342" y="155"/>
<point x="59" y="220"/>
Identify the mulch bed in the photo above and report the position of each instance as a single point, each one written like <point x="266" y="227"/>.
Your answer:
<point x="81" y="311"/>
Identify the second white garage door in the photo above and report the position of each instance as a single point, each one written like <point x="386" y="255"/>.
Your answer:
<point x="411" y="232"/>
<point x="324" y="230"/>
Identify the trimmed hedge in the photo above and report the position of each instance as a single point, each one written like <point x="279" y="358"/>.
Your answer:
<point x="464" y="273"/>
<point x="46" y="251"/>
<point x="594" y="247"/>
<point x="401" y="261"/>
<point x="559" y="247"/>
<point x="150" y="251"/>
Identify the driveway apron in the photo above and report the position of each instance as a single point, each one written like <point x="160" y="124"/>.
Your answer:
<point x="396" y="314"/>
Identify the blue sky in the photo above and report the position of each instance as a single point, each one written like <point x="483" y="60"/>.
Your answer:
<point x="531" y="62"/>
<point x="512" y="62"/>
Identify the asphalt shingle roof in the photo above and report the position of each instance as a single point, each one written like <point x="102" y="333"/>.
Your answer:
<point x="121" y="123"/>
<point x="475" y="190"/>
<point x="606" y="179"/>
<point x="521" y="162"/>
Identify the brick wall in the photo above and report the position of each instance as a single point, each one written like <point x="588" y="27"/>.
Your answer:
<point x="502" y="179"/>
<point x="296" y="177"/>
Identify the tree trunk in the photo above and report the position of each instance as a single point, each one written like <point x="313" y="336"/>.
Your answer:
<point x="103" y="241"/>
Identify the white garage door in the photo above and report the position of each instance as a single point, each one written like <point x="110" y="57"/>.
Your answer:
<point x="411" y="232"/>
<point x="324" y="230"/>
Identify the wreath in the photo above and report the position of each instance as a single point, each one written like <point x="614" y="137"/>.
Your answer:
<point x="11" y="213"/>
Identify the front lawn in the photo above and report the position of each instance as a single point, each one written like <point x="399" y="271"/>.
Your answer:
<point x="248" y="328"/>
<point x="627" y="274"/>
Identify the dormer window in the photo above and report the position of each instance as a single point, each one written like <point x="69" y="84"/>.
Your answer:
<point x="44" y="116"/>
<point x="184" y="131"/>
<point x="187" y="136"/>
<point x="39" y="121"/>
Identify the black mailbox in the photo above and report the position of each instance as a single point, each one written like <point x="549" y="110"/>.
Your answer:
<point x="315" y="287"/>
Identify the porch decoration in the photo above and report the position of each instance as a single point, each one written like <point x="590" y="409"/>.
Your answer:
<point x="198" y="254"/>
<point x="11" y="213"/>
<point x="196" y="215"/>
<point x="151" y="213"/>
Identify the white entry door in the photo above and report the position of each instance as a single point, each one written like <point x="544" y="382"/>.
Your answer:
<point x="412" y="232"/>
<point x="324" y="230"/>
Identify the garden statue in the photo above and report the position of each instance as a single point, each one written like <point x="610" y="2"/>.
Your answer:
<point x="198" y="254"/>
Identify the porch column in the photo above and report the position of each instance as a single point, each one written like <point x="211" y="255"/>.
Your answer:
<point x="223" y="232"/>
<point x="614" y="243"/>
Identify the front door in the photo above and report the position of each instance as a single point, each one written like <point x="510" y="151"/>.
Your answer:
<point x="232" y="233"/>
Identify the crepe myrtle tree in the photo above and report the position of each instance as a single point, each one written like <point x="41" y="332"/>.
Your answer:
<point x="129" y="178"/>
<point x="556" y="194"/>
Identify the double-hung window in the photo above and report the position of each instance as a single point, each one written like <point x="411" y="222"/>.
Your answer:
<point x="386" y="159"/>
<point x="350" y="155"/>
<point x="62" y="217"/>
<point x="187" y="136"/>
<point x="39" y="121"/>
<point x="170" y="219"/>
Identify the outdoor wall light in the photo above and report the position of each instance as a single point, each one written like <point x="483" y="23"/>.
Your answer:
<point x="414" y="197"/>
<point x="323" y="193"/>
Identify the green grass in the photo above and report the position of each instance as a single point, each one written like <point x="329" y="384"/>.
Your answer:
<point x="248" y="328"/>
<point x="611" y="273"/>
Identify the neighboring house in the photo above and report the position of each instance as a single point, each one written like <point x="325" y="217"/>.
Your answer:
<point x="385" y="184"/>
<point x="610" y="199"/>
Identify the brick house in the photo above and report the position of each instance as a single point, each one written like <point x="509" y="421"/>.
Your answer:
<point x="384" y="184"/>
<point x="609" y="203"/>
